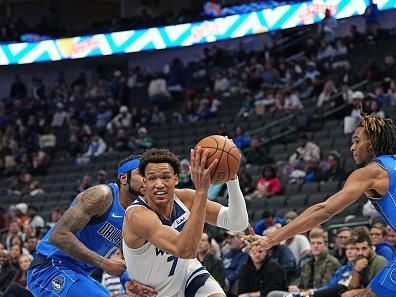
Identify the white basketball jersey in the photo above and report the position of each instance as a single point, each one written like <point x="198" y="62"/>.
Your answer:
<point x="168" y="275"/>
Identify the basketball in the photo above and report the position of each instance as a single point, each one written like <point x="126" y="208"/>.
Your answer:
<point x="223" y="149"/>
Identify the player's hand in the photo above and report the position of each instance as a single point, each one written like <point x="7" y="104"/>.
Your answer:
<point x="356" y="293"/>
<point x="360" y="264"/>
<point x="136" y="289"/>
<point x="113" y="267"/>
<point x="199" y="174"/>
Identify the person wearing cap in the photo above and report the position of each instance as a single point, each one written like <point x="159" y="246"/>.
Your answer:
<point x="352" y="120"/>
<point x="122" y="120"/>
<point x="85" y="237"/>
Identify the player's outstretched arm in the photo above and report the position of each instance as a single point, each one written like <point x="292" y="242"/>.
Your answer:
<point x="357" y="183"/>
<point x="91" y="203"/>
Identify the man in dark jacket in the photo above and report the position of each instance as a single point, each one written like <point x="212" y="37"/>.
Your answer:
<point x="260" y="275"/>
<point x="7" y="271"/>
<point x="208" y="259"/>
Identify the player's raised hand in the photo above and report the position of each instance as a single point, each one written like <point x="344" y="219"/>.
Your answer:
<point x="199" y="174"/>
<point x="136" y="289"/>
<point x="113" y="267"/>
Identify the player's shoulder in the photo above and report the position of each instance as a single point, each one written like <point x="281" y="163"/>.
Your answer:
<point x="97" y="198"/>
<point x="186" y="196"/>
<point x="371" y="170"/>
<point x="139" y="212"/>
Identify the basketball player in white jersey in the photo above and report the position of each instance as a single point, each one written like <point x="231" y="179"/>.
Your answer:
<point x="162" y="231"/>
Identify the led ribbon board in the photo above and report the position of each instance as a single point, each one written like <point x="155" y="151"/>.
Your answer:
<point x="181" y="35"/>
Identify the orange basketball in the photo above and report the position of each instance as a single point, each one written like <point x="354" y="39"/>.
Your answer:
<point x="223" y="149"/>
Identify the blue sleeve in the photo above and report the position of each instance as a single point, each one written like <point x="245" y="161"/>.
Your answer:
<point x="124" y="278"/>
<point x="259" y="227"/>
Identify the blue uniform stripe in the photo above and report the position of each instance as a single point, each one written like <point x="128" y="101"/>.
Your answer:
<point x="195" y="284"/>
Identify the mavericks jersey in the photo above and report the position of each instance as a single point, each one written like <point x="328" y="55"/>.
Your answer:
<point x="386" y="205"/>
<point x="167" y="274"/>
<point x="103" y="235"/>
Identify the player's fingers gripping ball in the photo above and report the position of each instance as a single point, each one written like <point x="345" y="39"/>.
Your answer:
<point x="225" y="151"/>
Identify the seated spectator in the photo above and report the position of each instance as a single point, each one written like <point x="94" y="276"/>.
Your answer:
<point x="233" y="261"/>
<point x="305" y="151"/>
<point x="343" y="235"/>
<point x="18" y="286"/>
<point x="14" y="229"/>
<point x="268" y="220"/>
<point x="103" y="116"/>
<point x="368" y="264"/>
<point x="35" y="220"/>
<point x="121" y="141"/>
<point x="292" y="101"/>
<point x="157" y="116"/>
<point x="383" y="248"/>
<point x="96" y="147"/>
<point x="142" y="142"/>
<point x="333" y="170"/>
<point x="256" y="154"/>
<point x="282" y="255"/>
<point x="101" y="177"/>
<point x="329" y="90"/>
<point x="312" y="171"/>
<point x="391" y="236"/>
<point x="246" y="183"/>
<point x="316" y="272"/>
<point x="221" y="83"/>
<point x="86" y="183"/>
<point x="56" y="214"/>
<point x="242" y="138"/>
<point x="185" y="175"/>
<point x="209" y="259"/>
<point x="268" y="185"/>
<point x="340" y="281"/>
<point x="260" y="275"/>
<point x="351" y="121"/>
<point x="375" y="108"/>
<point x="15" y="253"/>
<point x="158" y="91"/>
<point x="31" y="244"/>
<point x="7" y="271"/>
<point x="247" y="106"/>
<point x="122" y="120"/>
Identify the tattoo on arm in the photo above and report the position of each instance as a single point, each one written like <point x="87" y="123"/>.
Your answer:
<point x="91" y="203"/>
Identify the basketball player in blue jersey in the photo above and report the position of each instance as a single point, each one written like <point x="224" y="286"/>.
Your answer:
<point x="374" y="150"/>
<point x="162" y="231"/>
<point x="84" y="239"/>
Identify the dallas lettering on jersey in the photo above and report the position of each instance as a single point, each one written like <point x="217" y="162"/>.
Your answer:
<point x="111" y="233"/>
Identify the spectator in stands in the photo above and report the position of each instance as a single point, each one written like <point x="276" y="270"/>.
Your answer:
<point x="343" y="235"/>
<point x="18" y="285"/>
<point x="86" y="183"/>
<point x="157" y="116"/>
<point x="158" y="91"/>
<point x="7" y="271"/>
<point x="101" y="177"/>
<point x="47" y="141"/>
<point x="247" y="106"/>
<point x="59" y="117"/>
<point x="209" y="259"/>
<point x="18" y="88"/>
<point x="390" y="68"/>
<point x="233" y="262"/>
<point x="35" y="220"/>
<point x="391" y="236"/>
<point x="368" y="263"/>
<point x="268" y="220"/>
<point x="327" y="26"/>
<point x="316" y="272"/>
<point x="122" y="120"/>
<point x="221" y="83"/>
<point x="282" y="255"/>
<point x="103" y="116"/>
<point x="113" y="283"/>
<point x="312" y="171"/>
<point x="15" y="253"/>
<point x="372" y="20"/>
<point x="340" y="281"/>
<point x="260" y="275"/>
<point x="268" y="185"/>
<point x="378" y="234"/>
<point x="355" y="37"/>
<point x="375" y="108"/>
<point x="246" y="183"/>
<point x="121" y="141"/>
<point x="305" y="151"/>
<point x="56" y="214"/>
<point x="96" y="147"/>
<point x="185" y="175"/>
<point x="30" y="245"/>
<point x="351" y="121"/>
<point x="333" y="170"/>
<point x="329" y="90"/>
<point x="142" y="142"/>
<point x="242" y="138"/>
<point x="14" y="229"/>
<point x="256" y="154"/>
<point x="292" y="101"/>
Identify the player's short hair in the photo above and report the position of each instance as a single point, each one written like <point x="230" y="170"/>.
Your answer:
<point x="381" y="133"/>
<point x="156" y="155"/>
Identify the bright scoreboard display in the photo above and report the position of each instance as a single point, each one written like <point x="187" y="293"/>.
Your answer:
<point x="233" y="26"/>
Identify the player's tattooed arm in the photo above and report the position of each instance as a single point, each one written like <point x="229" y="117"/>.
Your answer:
<point x="91" y="203"/>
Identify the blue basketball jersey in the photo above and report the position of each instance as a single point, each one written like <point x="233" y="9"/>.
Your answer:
<point x="103" y="235"/>
<point x="386" y="205"/>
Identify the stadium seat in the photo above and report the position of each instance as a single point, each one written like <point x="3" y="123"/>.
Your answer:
<point x="297" y="200"/>
<point x="310" y="188"/>
<point x="291" y="189"/>
<point x="276" y="201"/>
<point x="330" y="187"/>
